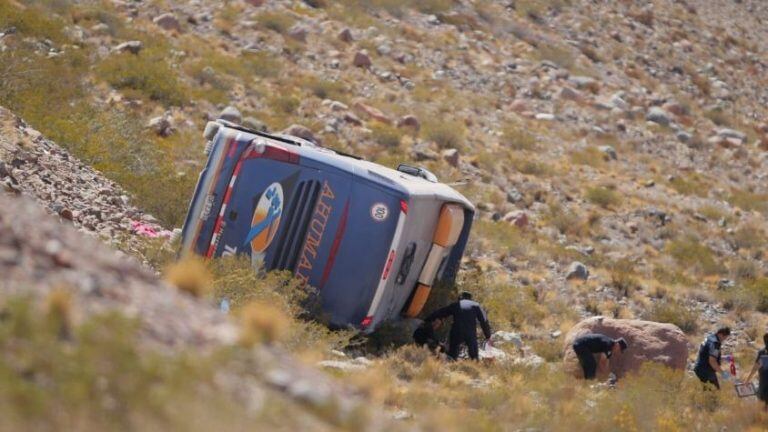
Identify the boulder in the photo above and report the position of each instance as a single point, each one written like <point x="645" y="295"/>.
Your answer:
<point x="648" y="342"/>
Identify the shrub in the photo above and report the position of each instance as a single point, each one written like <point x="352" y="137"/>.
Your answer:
<point x="623" y="278"/>
<point x="285" y="104"/>
<point x="190" y="276"/>
<point x="590" y="156"/>
<point x="603" y="196"/>
<point x="749" y="201"/>
<point x="449" y="134"/>
<point x="262" y="323"/>
<point x="671" y="311"/>
<point x="530" y="166"/>
<point x="690" y="253"/>
<point x="275" y="21"/>
<point x="515" y="137"/>
<point x="144" y="74"/>
<point x="34" y="21"/>
<point x="550" y="350"/>
<point x="386" y="135"/>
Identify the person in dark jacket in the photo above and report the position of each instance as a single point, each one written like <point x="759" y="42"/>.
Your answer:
<point x="586" y="346"/>
<point x="709" y="359"/>
<point x="425" y="336"/>
<point x="761" y="366"/>
<point x="466" y="314"/>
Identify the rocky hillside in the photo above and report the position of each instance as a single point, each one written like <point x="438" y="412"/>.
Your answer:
<point x="617" y="151"/>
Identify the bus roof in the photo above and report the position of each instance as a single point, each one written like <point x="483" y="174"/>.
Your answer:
<point x="407" y="184"/>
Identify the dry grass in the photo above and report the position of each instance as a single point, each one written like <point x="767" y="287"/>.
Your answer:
<point x="603" y="196"/>
<point x="190" y="276"/>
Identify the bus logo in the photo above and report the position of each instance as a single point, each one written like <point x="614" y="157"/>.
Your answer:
<point x="266" y="219"/>
<point x="379" y="212"/>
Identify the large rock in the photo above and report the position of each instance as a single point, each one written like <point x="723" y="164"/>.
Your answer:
<point x="648" y="342"/>
<point x="231" y="114"/>
<point x="167" y="21"/>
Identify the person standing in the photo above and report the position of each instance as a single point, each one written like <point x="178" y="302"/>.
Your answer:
<point x="466" y="314"/>
<point x="708" y="363"/>
<point x="761" y="366"/>
<point x="586" y="346"/>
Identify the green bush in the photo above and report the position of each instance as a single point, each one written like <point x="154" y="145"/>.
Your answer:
<point x="671" y="311"/>
<point x="32" y="21"/>
<point x="146" y="74"/>
<point x="386" y="135"/>
<point x="447" y="134"/>
<point x="515" y="137"/>
<point x="692" y="254"/>
<point x="275" y="21"/>
<point x="749" y="201"/>
<point x="603" y="196"/>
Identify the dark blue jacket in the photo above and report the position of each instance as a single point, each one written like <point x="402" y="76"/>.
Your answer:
<point x="466" y="314"/>
<point x="709" y="348"/>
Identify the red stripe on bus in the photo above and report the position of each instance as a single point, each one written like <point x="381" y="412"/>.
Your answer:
<point x="335" y="246"/>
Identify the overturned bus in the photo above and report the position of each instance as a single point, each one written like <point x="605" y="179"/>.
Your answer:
<point x="371" y="240"/>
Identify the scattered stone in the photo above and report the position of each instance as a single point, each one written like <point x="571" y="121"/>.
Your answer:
<point x="255" y="124"/>
<point x="132" y="47"/>
<point x="584" y="83"/>
<point x="67" y="214"/>
<point x="370" y="112"/>
<point x="514" y="195"/>
<point x="609" y="152"/>
<point x="362" y="59"/>
<point x="726" y="133"/>
<point x="345" y="366"/>
<point x="167" y="21"/>
<point x="648" y="342"/>
<point x="302" y="132"/>
<point x="501" y="337"/>
<point x="545" y="116"/>
<point x="298" y="32"/>
<point x="231" y="114"/>
<point x="451" y="156"/>
<point x="517" y="218"/>
<point x="160" y="125"/>
<point x="577" y="271"/>
<point x="683" y="136"/>
<point x="346" y="36"/>
<point x="556" y="334"/>
<point x="519" y="106"/>
<point x="568" y="93"/>
<point x="409" y="121"/>
<point x="658" y="115"/>
<point x="725" y="284"/>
